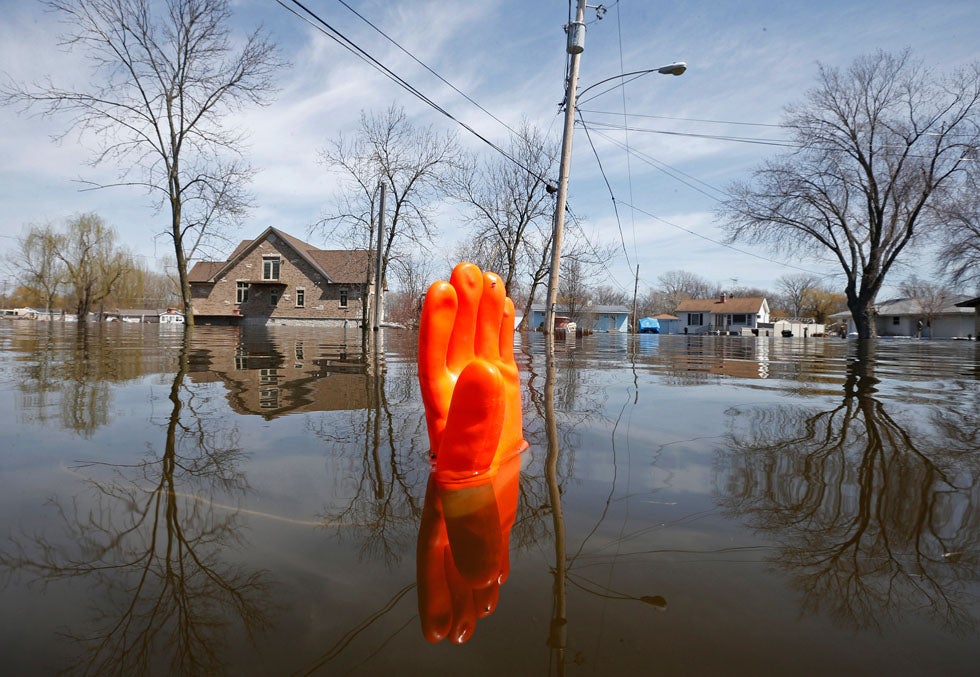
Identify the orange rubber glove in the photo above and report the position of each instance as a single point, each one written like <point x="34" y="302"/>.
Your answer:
<point x="463" y="554"/>
<point x="468" y="377"/>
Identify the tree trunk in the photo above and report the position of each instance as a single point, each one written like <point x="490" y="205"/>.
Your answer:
<point x="185" y="285"/>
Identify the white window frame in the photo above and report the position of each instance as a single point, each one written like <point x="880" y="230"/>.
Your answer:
<point x="271" y="267"/>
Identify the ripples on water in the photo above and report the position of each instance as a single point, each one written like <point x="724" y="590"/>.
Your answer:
<point x="250" y="502"/>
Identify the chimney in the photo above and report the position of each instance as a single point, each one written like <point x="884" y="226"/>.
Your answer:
<point x="723" y="297"/>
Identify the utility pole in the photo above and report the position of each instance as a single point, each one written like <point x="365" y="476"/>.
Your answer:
<point x="378" y="278"/>
<point x="636" y="285"/>
<point x="575" y="47"/>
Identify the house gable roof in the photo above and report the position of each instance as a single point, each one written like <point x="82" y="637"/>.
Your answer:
<point x="911" y="306"/>
<point x="585" y="310"/>
<point x="336" y="266"/>
<point x="738" y="304"/>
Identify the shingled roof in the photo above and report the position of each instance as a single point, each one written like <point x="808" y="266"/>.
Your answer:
<point x="744" y="304"/>
<point x="339" y="266"/>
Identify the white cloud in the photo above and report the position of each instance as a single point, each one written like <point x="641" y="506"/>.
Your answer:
<point x="746" y="61"/>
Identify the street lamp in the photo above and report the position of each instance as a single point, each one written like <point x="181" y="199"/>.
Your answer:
<point x="676" y="68"/>
<point x="576" y="45"/>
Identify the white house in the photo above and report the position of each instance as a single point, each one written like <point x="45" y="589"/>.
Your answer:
<point x="975" y="304"/>
<point x="908" y="318"/>
<point x="593" y="317"/>
<point x="724" y="314"/>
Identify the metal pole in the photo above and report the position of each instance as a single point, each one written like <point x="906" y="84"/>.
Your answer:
<point x="378" y="277"/>
<point x="566" y="158"/>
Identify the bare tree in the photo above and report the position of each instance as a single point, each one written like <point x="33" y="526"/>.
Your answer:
<point x="882" y="146"/>
<point x="508" y="203"/>
<point x="795" y="289"/>
<point x="931" y="298"/>
<point x="37" y="263"/>
<point x="93" y="262"/>
<point x="414" y="275"/>
<point x="411" y="161"/>
<point x="679" y="285"/>
<point x="165" y="76"/>
<point x="959" y="253"/>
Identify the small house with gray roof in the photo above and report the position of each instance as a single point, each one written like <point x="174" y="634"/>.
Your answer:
<point x="277" y="278"/>
<point x="722" y="315"/>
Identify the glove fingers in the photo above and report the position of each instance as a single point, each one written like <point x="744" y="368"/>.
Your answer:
<point x="467" y="280"/>
<point x="434" y="597"/>
<point x="476" y="418"/>
<point x="464" y="609"/>
<point x="435" y="330"/>
<point x="473" y="528"/>
<point x="490" y="317"/>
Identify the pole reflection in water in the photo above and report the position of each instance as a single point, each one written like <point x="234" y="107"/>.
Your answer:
<point x="558" y="634"/>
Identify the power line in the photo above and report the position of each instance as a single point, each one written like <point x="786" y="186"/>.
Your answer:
<point x="326" y="29"/>
<point x="670" y="117"/>
<point x="426" y="67"/>
<point x="728" y="246"/>
<point x="670" y="171"/>
<point x="602" y="171"/>
<point x="716" y="137"/>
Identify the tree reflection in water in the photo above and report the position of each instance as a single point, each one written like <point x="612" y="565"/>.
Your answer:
<point x="875" y="513"/>
<point x="150" y="536"/>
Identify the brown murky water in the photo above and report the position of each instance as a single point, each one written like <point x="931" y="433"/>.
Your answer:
<point x="251" y="503"/>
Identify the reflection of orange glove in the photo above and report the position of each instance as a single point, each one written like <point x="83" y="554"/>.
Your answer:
<point x="469" y="380"/>
<point x="463" y="554"/>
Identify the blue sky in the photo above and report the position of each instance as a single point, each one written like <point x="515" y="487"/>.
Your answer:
<point x="746" y="61"/>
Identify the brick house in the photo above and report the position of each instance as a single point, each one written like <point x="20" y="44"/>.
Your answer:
<point x="277" y="278"/>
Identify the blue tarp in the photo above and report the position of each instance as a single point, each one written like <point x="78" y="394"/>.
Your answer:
<point x="649" y="325"/>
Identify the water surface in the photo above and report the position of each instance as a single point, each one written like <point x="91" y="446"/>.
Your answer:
<point x="250" y="503"/>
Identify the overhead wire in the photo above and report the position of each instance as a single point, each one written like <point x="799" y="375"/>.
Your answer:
<point x="680" y="119"/>
<point x="326" y="29"/>
<point x="612" y="196"/>
<point x="319" y="24"/>
<point x="725" y="244"/>
<point x="426" y="67"/>
<point x="672" y="172"/>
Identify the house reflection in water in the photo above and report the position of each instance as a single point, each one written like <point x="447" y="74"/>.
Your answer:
<point x="273" y="376"/>
<point x="690" y="359"/>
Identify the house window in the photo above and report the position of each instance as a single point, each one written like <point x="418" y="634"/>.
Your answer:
<point x="242" y="294"/>
<point x="269" y="398"/>
<point x="343" y="298"/>
<point x="740" y="319"/>
<point x="274" y="296"/>
<point x="270" y="268"/>
<point x="896" y="321"/>
<point x="695" y="319"/>
<point x="300" y="298"/>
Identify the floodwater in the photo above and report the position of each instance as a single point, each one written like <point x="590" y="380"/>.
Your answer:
<point x="251" y="504"/>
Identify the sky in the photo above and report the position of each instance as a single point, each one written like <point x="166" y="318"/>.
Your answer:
<point x="689" y="137"/>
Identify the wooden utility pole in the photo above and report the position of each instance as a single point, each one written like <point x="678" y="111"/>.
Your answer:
<point x="636" y="285"/>
<point x="575" y="46"/>
<point x="378" y="277"/>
